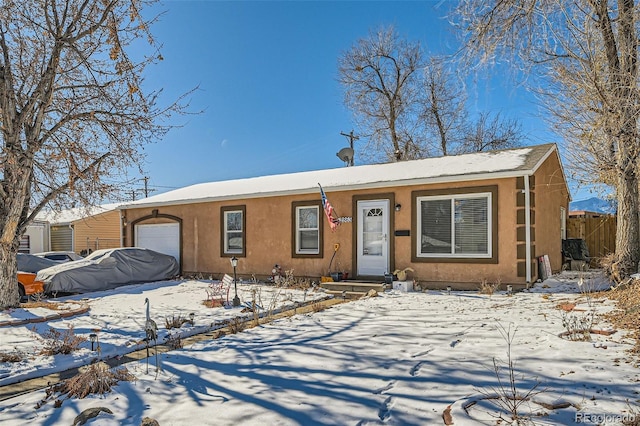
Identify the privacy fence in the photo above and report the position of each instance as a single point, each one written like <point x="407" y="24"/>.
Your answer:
<point x="599" y="232"/>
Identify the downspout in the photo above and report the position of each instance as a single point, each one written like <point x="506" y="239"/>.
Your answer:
<point x="527" y="229"/>
<point x="123" y="219"/>
<point x="73" y="237"/>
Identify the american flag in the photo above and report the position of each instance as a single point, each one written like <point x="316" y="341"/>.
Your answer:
<point x="328" y="210"/>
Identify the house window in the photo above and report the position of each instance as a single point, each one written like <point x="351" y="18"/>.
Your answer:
<point x="233" y="230"/>
<point x="25" y="244"/>
<point x="455" y="226"/>
<point x="307" y="230"/>
<point x="563" y="223"/>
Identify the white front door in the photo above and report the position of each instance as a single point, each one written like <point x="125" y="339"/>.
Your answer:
<point x="373" y="237"/>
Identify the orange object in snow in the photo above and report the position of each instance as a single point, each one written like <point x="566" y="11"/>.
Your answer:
<point x="27" y="284"/>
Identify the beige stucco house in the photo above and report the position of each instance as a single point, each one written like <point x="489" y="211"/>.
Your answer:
<point x="455" y="220"/>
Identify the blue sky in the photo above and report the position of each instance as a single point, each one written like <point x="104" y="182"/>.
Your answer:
<point x="268" y="89"/>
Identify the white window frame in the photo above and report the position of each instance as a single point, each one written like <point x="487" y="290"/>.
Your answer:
<point x="563" y="223"/>
<point x="228" y="250"/>
<point x="299" y="229"/>
<point x="452" y="198"/>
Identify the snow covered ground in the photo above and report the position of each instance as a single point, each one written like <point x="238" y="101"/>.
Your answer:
<point x="401" y="359"/>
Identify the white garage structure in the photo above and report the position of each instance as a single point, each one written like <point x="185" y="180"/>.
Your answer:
<point x="160" y="237"/>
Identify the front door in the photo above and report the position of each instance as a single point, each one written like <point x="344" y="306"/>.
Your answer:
<point x="373" y="237"/>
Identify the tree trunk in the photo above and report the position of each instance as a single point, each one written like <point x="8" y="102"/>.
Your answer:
<point x="628" y="226"/>
<point x="16" y="187"/>
<point x="9" y="296"/>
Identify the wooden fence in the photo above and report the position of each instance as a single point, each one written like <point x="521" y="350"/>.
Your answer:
<point x="598" y="232"/>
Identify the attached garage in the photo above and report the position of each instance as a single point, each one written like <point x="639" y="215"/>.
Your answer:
<point x="160" y="237"/>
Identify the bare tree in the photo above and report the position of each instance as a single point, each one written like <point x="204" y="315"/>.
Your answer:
<point x="73" y="110"/>
<point x="489" y="133"/>
<point x="444" y="106"/>
<point x="411" y="108"/>
<point x="585" y="53"/>
<point x="381" y="77"/>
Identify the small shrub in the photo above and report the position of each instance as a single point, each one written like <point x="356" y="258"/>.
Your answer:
<point x="610" y="267"/>
<point x="236" y="325"/>
<point x="175" y="322"/>
<point x="98" y="378"/>
<point x="318" y="307"/>
<point x="488" y="288"/>
<point x="61" y="342"/>
<point x="506" y="395"/>
<point x="95" y="379"/>
<point x="273" y="302"/>
<point x="254" y="307"/>
<point x="578" y="327"/>
<point x="290" y="281"/>
<point x="632" y="417"/>
<point x="10" y="357"/>
<point x="174" y="341"/>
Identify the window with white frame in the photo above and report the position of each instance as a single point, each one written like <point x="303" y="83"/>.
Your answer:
<point x="563" y="223"/>
<point x="233" y="232"/>
<point x="307" y="230"/>
<point x="454" y="226"/>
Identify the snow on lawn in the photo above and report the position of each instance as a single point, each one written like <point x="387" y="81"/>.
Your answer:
<point x="401" y="358"/>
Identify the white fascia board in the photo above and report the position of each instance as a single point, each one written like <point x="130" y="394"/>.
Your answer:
<point x="339" y="188"/>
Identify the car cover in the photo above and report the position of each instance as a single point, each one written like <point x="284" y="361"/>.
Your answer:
<point x="108" y="269"/>
<point x="31" y="263"/>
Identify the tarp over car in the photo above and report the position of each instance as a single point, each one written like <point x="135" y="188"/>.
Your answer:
<point x="107" y="269"/>
<point x="32" y="263"/>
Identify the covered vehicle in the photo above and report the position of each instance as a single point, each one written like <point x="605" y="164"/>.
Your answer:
<point x="60" y="256"/>
<point x="32" y="263"/>
<point x="107" y="269"/>
<point x="28" y="265"/>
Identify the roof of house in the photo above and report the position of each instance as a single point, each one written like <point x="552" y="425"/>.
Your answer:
<point x="72" y="215"/>
<point x="466" y="167"/>
<point x="589" y="213"/>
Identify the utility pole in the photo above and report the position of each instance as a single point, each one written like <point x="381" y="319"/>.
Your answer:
<point x="146" y="190"/>
<point x="351" y="138"/>
<point x="146" y="186"/>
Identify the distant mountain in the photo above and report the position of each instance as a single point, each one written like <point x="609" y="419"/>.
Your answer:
<point x="594" y="204"/>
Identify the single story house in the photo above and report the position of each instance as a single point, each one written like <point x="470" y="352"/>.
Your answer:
<point x="455" y="220"/>
<point x="83" y="230"/>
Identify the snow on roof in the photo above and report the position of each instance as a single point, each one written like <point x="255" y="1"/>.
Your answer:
<point x="72" y="215"/>
<point x="504" y="163"/>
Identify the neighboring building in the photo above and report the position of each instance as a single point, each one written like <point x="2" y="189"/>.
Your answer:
<point x="36" y="238"/>
<point x="455" y="219"/>
<point x="83" y="230"/>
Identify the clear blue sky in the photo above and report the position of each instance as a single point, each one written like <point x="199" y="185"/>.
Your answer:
<point x="267" y="77"/>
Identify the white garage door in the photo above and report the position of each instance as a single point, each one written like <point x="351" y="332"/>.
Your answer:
<point x="163" y="238"/>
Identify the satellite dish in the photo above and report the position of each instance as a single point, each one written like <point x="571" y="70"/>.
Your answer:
<point x="346" y="155"/>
